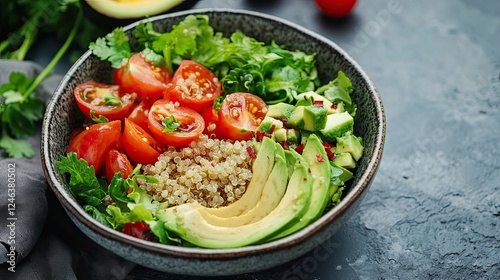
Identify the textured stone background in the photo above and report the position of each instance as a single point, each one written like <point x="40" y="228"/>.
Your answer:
<point x="433" y="210"/>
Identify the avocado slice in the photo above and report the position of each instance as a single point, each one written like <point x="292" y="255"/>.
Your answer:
<point x="272" y="193"/>
<point x="261" y="169"/>
<point x="124" y="9"/>
<point x="315" y="156"/>
<point x="189" y="223"/>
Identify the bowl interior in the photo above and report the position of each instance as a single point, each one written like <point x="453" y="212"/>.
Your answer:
<point x="63" y="115"/>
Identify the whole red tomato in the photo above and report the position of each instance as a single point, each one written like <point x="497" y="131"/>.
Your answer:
<point x="336" y="8"/>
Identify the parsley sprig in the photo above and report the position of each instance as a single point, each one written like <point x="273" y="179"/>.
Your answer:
<point x="20" y="109"/>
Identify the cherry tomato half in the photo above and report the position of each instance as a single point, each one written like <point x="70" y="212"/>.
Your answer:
<point x="103" y="100"/>
<point x="142" y="77"/>
<point x="117" y="162"/>
<point x="212" y="126"/>
<point x="176" y="126"/>
<point x="241" y="114"/>
<point x="139" y="145"/>
<point x="194" y="86"/>
<point x="336" y="8"/>
<point x="94" y="143"/>
<point x="139" y="114"/>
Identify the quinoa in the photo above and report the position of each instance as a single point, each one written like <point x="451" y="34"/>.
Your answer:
<point x="211" y="171"/>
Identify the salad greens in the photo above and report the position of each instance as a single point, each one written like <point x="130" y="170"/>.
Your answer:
<point x="242" y="63"/>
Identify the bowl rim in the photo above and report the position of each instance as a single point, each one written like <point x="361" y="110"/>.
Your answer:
<point x="356" y="191"/>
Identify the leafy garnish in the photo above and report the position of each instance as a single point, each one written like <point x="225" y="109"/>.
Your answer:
<point x="170" y="124"/>
<point x="114" y="47"/>
<point x="100" y="119"/>
<point x="112" y="101"/>
<point x="20" y="109"/>
<point x="339" y="90"/>
<point x="83" y="182"/>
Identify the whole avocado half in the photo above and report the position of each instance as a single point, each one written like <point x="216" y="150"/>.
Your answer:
<point x="109" y="14"/>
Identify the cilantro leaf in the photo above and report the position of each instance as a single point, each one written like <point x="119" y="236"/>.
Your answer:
<point x="100" y="119"/>
<point x="83" y="182"/>
<point x="15" y="148"/>
<point x="171" y="124"/>
<point x="114" y="47"/>
<point x="339" y="90"/>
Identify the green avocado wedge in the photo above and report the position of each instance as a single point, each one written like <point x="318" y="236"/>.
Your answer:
<point x="315" y="156"/>
<point x="125" y="9"/>
<point x="261" y="169"/>
<point x="273" y="192"/>
<point x="189" y="223"/>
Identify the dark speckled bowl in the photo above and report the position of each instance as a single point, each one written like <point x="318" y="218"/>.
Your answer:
<point x="62" y="116"/>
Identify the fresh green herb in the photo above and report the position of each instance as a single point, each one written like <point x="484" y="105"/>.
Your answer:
<point x="339" y="90"/>
<point x="112" y="101"/>
<point x="83" y="182"/>
<point x="151" y="56"/>
<point x="100" y="119"/>
<point x="241" y="62"/>
<point x="114" y="47"/>
<point x="20" y="109"/>
<point x="171" y="124"/>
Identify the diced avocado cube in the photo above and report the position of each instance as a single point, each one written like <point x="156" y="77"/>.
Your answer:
<point x="330" y="107"/>
<point x="280" y="135"/>
<point x="336" y="126"/>
<point x="268" y="124"/>
<point x="350" y="144"/>
<point x="296" y="119"/>
<point x="293" y="135"/>
<point x="345" y="160"/>
<point x="280" y="110"/>
<point x="315" y="118"/>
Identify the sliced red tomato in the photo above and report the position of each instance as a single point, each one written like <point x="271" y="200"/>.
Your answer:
<point x="172" y="125"/>
<point x="139" y="145"/>
<point x="94" y="143"/>
<point x="212" y="126"/>
<point x="194" y="86"/>
<point x="142" y="77"/>
<point x="241" y="114"/>
<point x="103" y="100"/>
<point x="117" y="162"/>
<point x="140" y="114"/>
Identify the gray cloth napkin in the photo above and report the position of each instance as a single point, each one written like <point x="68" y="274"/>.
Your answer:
<point x="47" y="243"/>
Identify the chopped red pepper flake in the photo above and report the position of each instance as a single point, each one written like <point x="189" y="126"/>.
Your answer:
<point x="320" y="158"/>
<point x="334" y="106"/>
<point x="272" y="128"/>
<point x="328" y="148"/>
<point x="251" y="152"/>
<point x="309" y="170"/>
<point x="285" y="145"/>
<point x="300" y="148"/>
<point x="138" y="229"/>
<point x="318" y="103"/>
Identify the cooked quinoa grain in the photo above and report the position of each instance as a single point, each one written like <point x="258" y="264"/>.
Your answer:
<point x="211" y="171"/>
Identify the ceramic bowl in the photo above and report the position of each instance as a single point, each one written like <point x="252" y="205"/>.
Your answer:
<point x="62" y="116"/>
